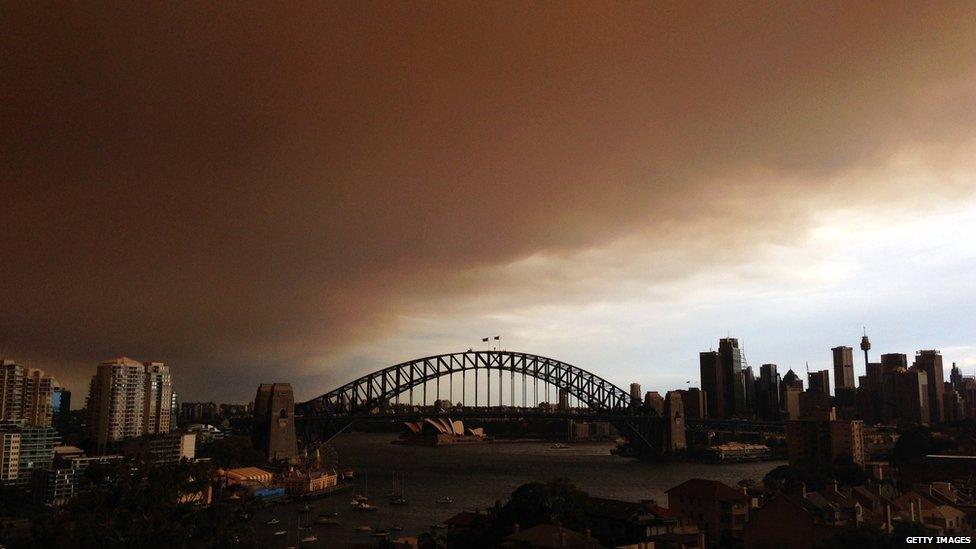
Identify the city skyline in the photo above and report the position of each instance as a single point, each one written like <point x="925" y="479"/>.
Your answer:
<point x="311" y="193"/>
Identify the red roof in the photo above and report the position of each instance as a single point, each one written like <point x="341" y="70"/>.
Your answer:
<point x="663" y="512"/>
<point x="707" y="489"/>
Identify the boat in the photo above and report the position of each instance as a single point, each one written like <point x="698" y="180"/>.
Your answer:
<point x="396" y="496"/>
<point x="280" y="533"/>
<point x="329" y="515"/>
<point x="396" y="528"/>
<point x="361" y="503"/>
<point x="365" y="507"/>
<point x="324" y="521"/>
<point x="364" y="529"/>
<point x="445" y="500"/>
<point x="348" y="473"/>
<point x="273" y="521"/>
<point x="559" y="446"/>
<point x="309" y="538"/>
<point x="438" y="526"/>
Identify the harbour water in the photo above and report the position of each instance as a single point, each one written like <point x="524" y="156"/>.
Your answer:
<point x="475" y="476"/>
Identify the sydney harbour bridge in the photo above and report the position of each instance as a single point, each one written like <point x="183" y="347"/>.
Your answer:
<point x="492" y="384"/>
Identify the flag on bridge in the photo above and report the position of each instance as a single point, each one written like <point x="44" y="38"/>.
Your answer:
<point x="485" y="339"/>
<point x="497" y="337"/>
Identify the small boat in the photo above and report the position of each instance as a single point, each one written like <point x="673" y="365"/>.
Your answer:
<point x="445" y="500"/>
<point x="329" y="515"/>
<point x="381" y="533"/>
<point x="438" y="526"/>
<point x="273" y="521"/>
<point x="365" y="507"/>
<point x="309" y="538"/>
<point x="325" y="521"/>
<point x="398" y="500"/>
<point x="364" y="529"/>
<point x="559" y="446"/>
<point x="396" y="528"/>
<point x="348" y="473"/>
<point x="280" y="533"/>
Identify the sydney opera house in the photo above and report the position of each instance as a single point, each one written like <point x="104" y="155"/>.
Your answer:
<point x="439" y="431"/>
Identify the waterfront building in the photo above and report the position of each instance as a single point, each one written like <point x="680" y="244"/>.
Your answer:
<point x="274" y="421"/>
<point x="821" y="438"/>
<point x="25" y="394"/>
<point x="717" y="509"/>
<point x="166" y="448"/>
<point x="65" y="479"/>
<point x="930" y="362"/>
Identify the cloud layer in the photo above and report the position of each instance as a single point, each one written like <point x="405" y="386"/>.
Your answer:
<point x="262" y="193"/>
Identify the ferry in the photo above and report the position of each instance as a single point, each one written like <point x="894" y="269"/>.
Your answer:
<point x="280" y="533"/>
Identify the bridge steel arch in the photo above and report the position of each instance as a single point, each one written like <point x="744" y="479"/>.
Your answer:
<point x="382" y="386"/>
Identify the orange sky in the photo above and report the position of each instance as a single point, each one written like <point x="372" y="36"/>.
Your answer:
<point x="307" y="192"/>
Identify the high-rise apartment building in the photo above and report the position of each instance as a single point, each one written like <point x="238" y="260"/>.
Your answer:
<point x="127" y="399"/>
<point x="158" y="401"/>
<point x="60" y="408"/>
<point x="25" y="449"/>
<point x="25" y="394"/>
<point x="930" y="362"/>
<point x="821" y="439"/>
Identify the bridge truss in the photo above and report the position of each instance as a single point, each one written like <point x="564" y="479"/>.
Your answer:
<point x="385" y="386"/>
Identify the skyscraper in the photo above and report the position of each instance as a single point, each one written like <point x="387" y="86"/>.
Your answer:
<point x="731" y="359"/>
<point x="844" y="375"/>
<point x="158" y="400"/>
<point x="116" y="402"/>
<point x="819" y="382"/>
<point x="930" y="362"/>
<point x="767" y="393"/>
<point x="25" y="394"/>
<point x="712" y="384"/>
<point x="60" y="408"/>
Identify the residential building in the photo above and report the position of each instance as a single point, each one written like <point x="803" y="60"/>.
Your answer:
<point x="25" y="394"/>
<point x="821" y="439"/>
<point x="26" y="448"/>
<point x="128" y="399"/>
<point x="158" y="400"/>
<point x="60" y="408"/>
<point x="717" y="509"/>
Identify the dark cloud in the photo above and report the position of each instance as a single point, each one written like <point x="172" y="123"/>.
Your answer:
<point x="239" y="190"/>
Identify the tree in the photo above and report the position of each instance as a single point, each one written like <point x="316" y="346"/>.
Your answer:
<point x="555" y="502"/>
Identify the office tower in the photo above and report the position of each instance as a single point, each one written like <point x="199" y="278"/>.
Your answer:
<point x="791" y="401"/>
<point x="60" y="408"/>
<point x="749" y="391"/>
<point x="25" y="394"/>
<point x="768" y="394"/>
<point x="821" y="439"/>
<point x="930" y="362"/>
<point x="844" y="387"/>
<point x="635" y="395"/>
<point x="906" y="396"/>
<point x="893" y="361"/>
<point x="158" y="399"/>
<point x="116" y="402"/>
<point x="274" y="421"/>
<point x="955" y="377"/>
<point x="731" y="359"/>
<point x="654" y="401"/>
<point x="843" y="367"/>
<point x="819" y="382"/>
<point x="693" y="400"/>
<point x="712" y="384"/>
